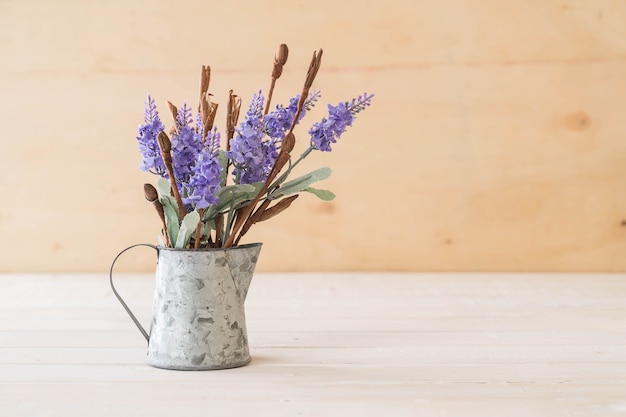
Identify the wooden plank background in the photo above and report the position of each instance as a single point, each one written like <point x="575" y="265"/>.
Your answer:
<point x="497" y="140"/>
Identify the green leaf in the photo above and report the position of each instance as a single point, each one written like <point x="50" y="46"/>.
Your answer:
<point x="222" y="157"/>
<point x="165" y="191"/>
<point x="235" y="189"/>
<point x="172" y="202"/>
<point x="300" y="184"/>
<point x="187" y="227"/>
<point x="164" y="187"/>
<point x="324" y="195"/>
<point x="232" y="196"/>
<point x="171" y="218"/>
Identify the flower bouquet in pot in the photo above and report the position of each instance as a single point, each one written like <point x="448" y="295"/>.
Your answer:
<point x="213" y="187"/>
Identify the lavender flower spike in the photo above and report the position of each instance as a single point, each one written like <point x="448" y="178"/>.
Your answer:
<point x="205" y="182"/>
<point x="328" y="130"/>
<point x="247" y="150"/>
<point x="186" y="145"/>
<point x="151" y="159"/>
<point x="279" y="121"/>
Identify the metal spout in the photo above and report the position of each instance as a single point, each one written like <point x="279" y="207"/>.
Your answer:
<point x="241" y="262"/>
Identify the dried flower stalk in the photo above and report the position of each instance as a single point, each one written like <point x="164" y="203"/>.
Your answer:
<point x="208" y="113"/>
<point x="232" y="116"/>
<point x="205" y="78"/>
<point x="278" y="208"/>
<point x="173" y="110"/>
<point x="166" y="148"/>
<point x="314" y="66"/>
<point x="153" y="197"/>
<point x="280" y="59"/>
<point x="252" y="220"/>
<point x="218" y="231"/>
<point x="196" y="244"/>
<point x="283" y="156"/>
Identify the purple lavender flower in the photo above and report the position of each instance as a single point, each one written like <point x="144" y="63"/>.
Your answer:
<point x="186" y="145"/>
<point x="279" y="121"/>
<point x="328" y="130"/>
<point x="205" y="181"/>
<point x="151" y="159"/>
<point x="247" y="150"/>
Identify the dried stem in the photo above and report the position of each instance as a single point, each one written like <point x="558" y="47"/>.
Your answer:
<point x="232" y="116"/>
<point x="283" y="155"/>
<point x="196" y="243"/>
<point x="281" y="161"/>
<point x="173" y="110"/>
<point x="252" y="219"/>
<point x="316" y="62"/>
<point x="153" y="197"/>
<point x="218" y="230"/>
<point x="205" y="78"/>
<point x="206" y="107"/>
<point x="208" y="115"/>
<point x="280" y="59"/>
<point x="277" y="208"/>
<point x="166" y="148"/>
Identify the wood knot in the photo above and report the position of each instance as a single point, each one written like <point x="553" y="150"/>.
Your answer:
<point x="328" y="207"/>
<point x="578" y="121"/>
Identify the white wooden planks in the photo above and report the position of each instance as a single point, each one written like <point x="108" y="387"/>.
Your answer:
<point x="329" y="344"/>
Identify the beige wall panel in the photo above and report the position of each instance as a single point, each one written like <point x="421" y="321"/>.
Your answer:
<point x="497" y="139"/>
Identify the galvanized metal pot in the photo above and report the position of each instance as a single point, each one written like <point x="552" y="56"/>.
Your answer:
<point x="198" y="317"/>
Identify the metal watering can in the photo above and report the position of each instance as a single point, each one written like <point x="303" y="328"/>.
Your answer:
<point x="198" y="318"/>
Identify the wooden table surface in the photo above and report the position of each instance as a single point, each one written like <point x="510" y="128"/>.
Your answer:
<point x="328" y="345"/>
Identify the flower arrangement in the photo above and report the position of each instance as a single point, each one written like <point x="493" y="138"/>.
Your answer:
<point x="209" y="197"/>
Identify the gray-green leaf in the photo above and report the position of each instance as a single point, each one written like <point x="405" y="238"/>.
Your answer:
<point x="324" y="195"/>
<point x="222" y="157"/>
<point x="171" y="218"/>
<point x="187" y="227"/>
<point x="232" y="196"/>
<point x="165" y="187"/>
<point x="300" y="184"/>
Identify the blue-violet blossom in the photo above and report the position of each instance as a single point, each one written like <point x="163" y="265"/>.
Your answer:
<point x="151" y="159"/>
<point x="205" y="181"/>
<point x="186" y="145"/>
<point x="279" y="121"/>
<point x="328" y="130"/>
<point x="247" y="149"/>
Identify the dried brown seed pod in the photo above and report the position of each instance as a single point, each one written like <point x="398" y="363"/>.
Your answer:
<point x="152" y="196"/>
<point x="316" y="62"/>
<point x="288" y="142"/>
<point x="281" y="54"/>
<point x="164" y="144"/>
<point x="150" y="192"/>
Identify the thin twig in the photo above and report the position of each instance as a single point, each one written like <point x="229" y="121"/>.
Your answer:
<point x="252" y="219"/>
<point x="232" y="116"/>
<point x="280" y="59"/>
<point x="196" y="243"/>
<point x="218" y="230"/>
<point x="166" y="147"/>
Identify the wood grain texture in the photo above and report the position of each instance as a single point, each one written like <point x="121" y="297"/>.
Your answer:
<point x="496" y="141"/>
<point x="328" y="344"/>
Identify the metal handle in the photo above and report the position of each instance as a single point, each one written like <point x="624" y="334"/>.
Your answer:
<point x="132" y="316"/>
